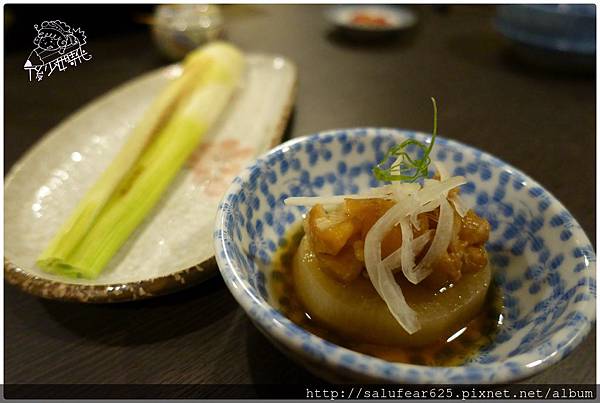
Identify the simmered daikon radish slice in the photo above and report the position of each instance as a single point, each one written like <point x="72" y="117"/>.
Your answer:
<point x="356" y="311"/>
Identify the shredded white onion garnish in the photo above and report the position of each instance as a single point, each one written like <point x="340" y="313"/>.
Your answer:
<point x="441" y="170"/>
<point x="454" y="198"/>
<point x="407" y="254"/>
<point x="382" y="278"/>
<point x="458" y="204"/>
<point x="439" y="245"/>
<point x="411" y="200"/>
<point x="379" y="193"/>
<point x="422" y="240"/>
<point x="427" y="207"/>
<point x="433" y="189"/>
<point x="394" y="259"/>
<point x="430" y="191"/>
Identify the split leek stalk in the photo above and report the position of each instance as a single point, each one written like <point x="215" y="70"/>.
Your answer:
<point x="127" y="191"/>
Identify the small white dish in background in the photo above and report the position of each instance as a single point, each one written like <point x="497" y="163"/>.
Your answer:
<point x="173" y="248"/>
<point x="371" y="18"/>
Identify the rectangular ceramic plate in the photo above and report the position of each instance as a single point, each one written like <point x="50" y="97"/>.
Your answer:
<point x="170" y="247"/>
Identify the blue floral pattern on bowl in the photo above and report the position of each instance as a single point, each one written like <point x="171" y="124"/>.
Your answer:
<point x="540" y="256"/>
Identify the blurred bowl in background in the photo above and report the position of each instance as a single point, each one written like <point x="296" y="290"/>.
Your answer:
<point x="558" y="34"/>
<point x="179" y="28"/>
<point x="371" y="21"/>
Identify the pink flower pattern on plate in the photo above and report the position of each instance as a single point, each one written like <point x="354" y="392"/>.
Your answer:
<point x="215" y="164"/>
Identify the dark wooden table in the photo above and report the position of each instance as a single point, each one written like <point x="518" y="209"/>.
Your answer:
<point x="540" y="121"/>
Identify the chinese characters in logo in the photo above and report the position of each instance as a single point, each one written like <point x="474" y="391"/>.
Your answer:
<point x="57" y="46"/>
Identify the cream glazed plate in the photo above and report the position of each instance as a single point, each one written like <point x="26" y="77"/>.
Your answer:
<point x="173" y="248"/>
